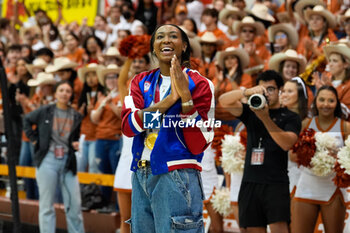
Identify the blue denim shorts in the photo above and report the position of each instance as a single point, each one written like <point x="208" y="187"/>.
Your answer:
<point x="171" y="202"/>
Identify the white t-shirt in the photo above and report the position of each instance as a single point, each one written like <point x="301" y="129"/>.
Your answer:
<point x="130" y="26"/>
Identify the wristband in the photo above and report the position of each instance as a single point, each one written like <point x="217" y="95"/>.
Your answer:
<point x="188" y="103"/>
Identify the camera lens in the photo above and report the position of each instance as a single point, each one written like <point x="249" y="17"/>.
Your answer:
<point x="257" y="101"/>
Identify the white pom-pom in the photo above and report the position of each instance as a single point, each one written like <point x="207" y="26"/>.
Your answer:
<point x="322" y="163"/>
<point x="347" y="142"/>
<point x="221" y="202"/>
<point x="324" y="141"/>
<point x="344" y="156"/>
<point x="232" y="154"/>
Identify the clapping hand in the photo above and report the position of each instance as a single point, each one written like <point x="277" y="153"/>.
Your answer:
<point x="179" y="78"/>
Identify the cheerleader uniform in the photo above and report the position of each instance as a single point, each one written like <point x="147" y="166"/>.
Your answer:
<point x="122" y="178"/>
<point x="294" y="175"/>
<point x="316" y="189"/>
<point x="236" y="178"/>
<point x="209" y="173"/>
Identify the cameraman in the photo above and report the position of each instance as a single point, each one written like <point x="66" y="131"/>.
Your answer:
<point x="264" y="194"/>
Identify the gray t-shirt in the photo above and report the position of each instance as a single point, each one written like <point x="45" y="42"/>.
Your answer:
<point x="61" y="128"/>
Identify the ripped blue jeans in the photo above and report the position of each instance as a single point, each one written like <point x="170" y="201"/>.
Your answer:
<point x="167" y="203"/>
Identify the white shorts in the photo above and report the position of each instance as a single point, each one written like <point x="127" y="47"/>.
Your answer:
<point x="122" y="178"/>
<point x="294" y="175"/>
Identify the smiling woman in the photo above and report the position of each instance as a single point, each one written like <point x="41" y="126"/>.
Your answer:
<point x="167" y="159"/>
<point x="315" y="194"/>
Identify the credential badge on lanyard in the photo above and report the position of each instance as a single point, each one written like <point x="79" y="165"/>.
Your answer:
<point x="258" y="155"/>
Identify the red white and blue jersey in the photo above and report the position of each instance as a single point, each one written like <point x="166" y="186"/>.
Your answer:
<point x="176" y="146"/>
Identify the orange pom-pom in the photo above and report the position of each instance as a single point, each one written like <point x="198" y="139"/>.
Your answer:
<point x="135" y="46"/>
<point x="305" y="147"/>
<point x="341" y="179"/>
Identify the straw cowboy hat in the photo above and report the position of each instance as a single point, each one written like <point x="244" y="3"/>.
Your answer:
<point x="287" y="28"/>
<point x="60" y="63"/>
<point x="290" y="55"/>
<point x="262" y="12"/>
<point x="208" y="37"/>
<point x="301" y="4"/>
<point x="339" y="48"/>
<point x="113" y="52"/>
<point x="238" y="52"/>
<point x="320" y="10"/>
<point x="345" y="16"/>
<point x="37" y="63"/>
<point x="248" y="21"/>
<point x="42" y="79"/>
<point x="110" y="69"/>
<point x="90" y="67"/>
<point x="230" y="10"/>
<point x="33" y="30"/>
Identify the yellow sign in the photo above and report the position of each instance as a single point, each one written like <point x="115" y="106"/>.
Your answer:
<point x="72" y="10"/>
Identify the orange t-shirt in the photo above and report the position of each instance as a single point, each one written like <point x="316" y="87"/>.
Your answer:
<point x="226" y="86"/>
<point x="261" y="51"/>
<point x="344" y="93"/>
<point x="78" y="87"/>
<point x="88" y="128"/>
<point x="109" y="125"/>
<point x="77" y="55"/>
<point x="333" y="6"/>
<point x="307" y="53"/>
<point x="207" y="70"/>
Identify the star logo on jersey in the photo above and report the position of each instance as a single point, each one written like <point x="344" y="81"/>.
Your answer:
<point x="152" y="120"/>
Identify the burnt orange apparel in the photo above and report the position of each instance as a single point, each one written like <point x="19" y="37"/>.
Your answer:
<point x="307" y="53"/>
<point x="77" y="55"/>
<point x="10" y="73"/>
<point x="78" y="87"/>
<point x="333" y="5"/>
<point x="310" y="96"/>
<point x="282" y="8"/>
<point x="88" y="128"/>
<point x="226" y="86"/>
<point x="109" y="125"/>
<point x="219" y="35"/>
<point x="260" y="51"/>
<point x="27" y="110"/>
<point x="207" y="70"/>
<point x="344" y="93"/>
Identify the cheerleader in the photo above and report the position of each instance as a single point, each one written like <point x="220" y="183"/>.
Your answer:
<point x="316" y="194"/>
<point x="294" y="97"/>
<point x="231" y="63"/>
<point x="210" y="179"/>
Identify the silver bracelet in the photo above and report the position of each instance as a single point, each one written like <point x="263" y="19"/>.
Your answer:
<point x="188" y="103"/>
